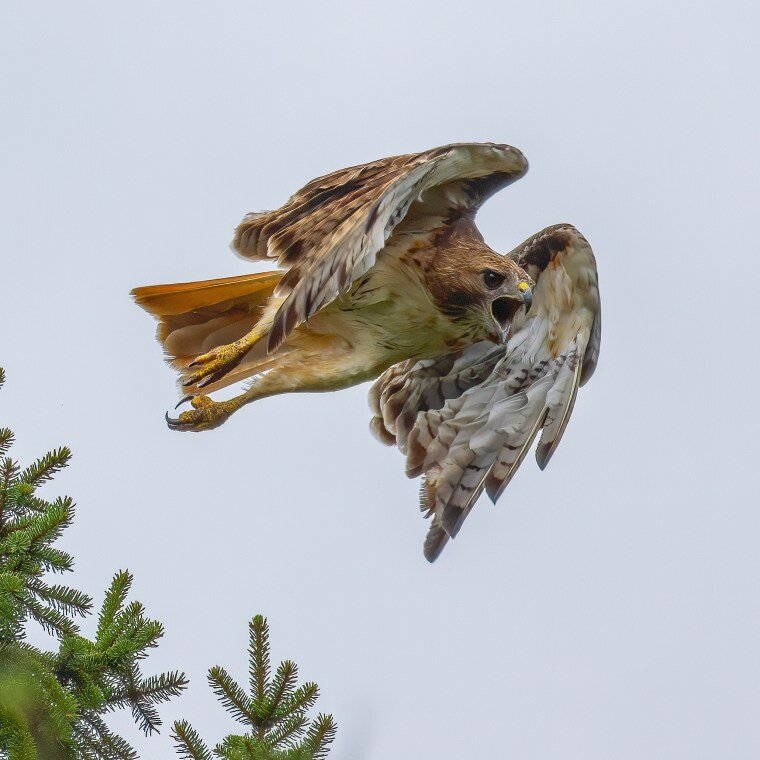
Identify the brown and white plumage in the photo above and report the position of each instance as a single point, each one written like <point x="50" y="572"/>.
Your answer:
<point x="465" y="422"/>
<point x="330" y="232"/>
<point x="386" y="274"/>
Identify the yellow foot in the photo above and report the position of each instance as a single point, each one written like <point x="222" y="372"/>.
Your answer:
<point x="206" y="414"/>
<point x="216" y="364"/>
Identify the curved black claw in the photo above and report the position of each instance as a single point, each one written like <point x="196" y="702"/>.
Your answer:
<point x="215" y="364"/>
<point x="188" y="397"/>
<point x="177" y="423"/>
<point x="212" y="378"/>
<point x="205" y="414"/>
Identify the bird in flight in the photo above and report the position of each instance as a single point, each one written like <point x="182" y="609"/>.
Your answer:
<point x="384" y="276"/>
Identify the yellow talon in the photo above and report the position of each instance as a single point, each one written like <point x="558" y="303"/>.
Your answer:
<point x="206" y="414"/>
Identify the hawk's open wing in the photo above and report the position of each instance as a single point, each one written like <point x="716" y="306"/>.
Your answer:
<point x="330" y="232"/>
<point x="466" y="421"/>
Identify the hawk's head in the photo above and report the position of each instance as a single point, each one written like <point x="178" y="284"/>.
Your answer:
<point x="480" y="288"/>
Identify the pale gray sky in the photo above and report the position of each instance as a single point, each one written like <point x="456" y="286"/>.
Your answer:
<point x="606" y="608"/>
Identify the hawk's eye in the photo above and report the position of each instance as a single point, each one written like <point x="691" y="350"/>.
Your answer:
<point x="493" y="279"/>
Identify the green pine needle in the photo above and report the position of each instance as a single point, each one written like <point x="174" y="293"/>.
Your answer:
<point x="321" y="734"/>
<point x="283" y="686"/>
<point x="112" y="604"/>
<point x="45" y="467"/>
<point x="188" y="743"/>
<point x="6" y="440"/>
<point x="231" y="695"/>
<point x="258" y="658"/>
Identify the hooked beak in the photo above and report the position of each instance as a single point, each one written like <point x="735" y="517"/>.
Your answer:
<point x="527" y="298"/>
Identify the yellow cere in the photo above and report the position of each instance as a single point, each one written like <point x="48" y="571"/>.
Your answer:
<point x="523" y="286"/>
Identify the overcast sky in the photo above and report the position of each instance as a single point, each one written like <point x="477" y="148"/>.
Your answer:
<point x="606" y="608"/>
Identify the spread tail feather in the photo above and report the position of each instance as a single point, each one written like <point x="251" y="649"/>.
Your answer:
<point x="196" y="317"/>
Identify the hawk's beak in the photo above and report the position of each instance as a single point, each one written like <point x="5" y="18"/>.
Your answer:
<point x="527" y="298"/>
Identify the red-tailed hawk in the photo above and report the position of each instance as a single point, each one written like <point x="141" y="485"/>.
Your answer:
<point x="384" y="273"/>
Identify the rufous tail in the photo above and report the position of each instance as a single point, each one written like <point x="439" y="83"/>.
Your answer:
<point x="195" y="317"/>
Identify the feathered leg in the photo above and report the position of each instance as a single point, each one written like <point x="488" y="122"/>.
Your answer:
<point x="320" y="367"/>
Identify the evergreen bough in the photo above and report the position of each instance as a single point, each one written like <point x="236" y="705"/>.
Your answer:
<point x="275" y="710"/>
<point x="52" y="704"/>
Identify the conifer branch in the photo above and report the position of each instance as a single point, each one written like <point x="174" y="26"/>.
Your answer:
<point x="283" y="685"/>
<point x="45" y="467"/>
<point x="145" y="715"/>
<point x="101" y="742"/>
<point x="231" y="695"/>
<point x="289" y="731"/>
<point x="8" y="473"/>
<point x="258" y="658"/>
<point x="320" y="736"/>
<point x="188" y="743"/>
<point x="64" y="599"/>
<point x="275" y="711"/>
<point x="6" y="440"/>
<point x="163" y="687"/>
<point x="54" y="560"/>
<point x="52" y="621"/>
<point x="112" y="603"/>
<point x="302" y="700"/>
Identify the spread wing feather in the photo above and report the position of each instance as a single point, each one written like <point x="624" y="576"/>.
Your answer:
<point x="330" y="232"/>
<point x="413" y="386"/>
<point x="466" y="421"/>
